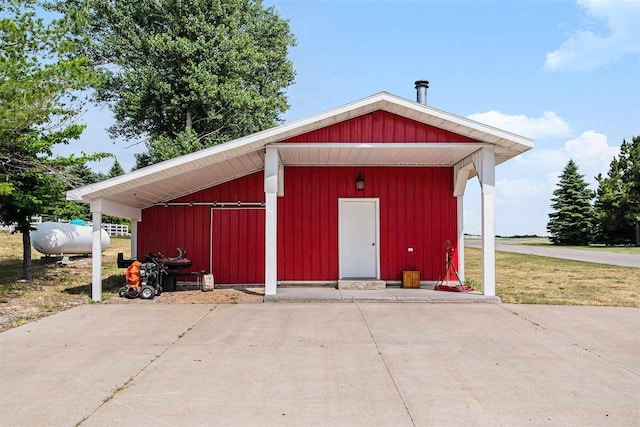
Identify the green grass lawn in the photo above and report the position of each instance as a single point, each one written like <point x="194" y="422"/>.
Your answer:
<point x="531" y="279"/>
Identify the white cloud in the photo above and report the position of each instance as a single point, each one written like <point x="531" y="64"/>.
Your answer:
<point x="585" y="50"/>
<point x="549" y="125"/>
<point x="591" y="152"/>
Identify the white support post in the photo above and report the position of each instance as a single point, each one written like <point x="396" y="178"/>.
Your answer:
<point x="486" y="173"/>
<point x="460" y="217"/>
<point x="134" y="238"/>
<point x="271" y="244"/>
<point x="271" y="187"/>
<point x="96" y="256"/>
<point x="280" y="178"/>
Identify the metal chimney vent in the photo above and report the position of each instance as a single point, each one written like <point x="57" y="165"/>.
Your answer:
<point x="421" y="88"/>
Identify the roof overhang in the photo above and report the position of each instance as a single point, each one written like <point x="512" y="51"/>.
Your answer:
<point x="192" y="172"/>
<point x="380" y="154"/>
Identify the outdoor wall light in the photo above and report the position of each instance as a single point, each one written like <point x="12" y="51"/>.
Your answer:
<point x="360" y="182"/>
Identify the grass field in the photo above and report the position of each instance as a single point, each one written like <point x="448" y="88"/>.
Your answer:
<point x="530" y="279"/>
<point x="53" y="288"/>
<point x="525" y="279"/>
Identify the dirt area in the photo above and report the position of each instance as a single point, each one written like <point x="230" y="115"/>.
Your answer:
<point x="52" y="289"/>
<point x="187" y="295"/>
<point x="56" y="288"/>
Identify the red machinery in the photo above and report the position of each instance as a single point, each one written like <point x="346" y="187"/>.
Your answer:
<point x="449" y="272"/>
<point x="149" y="278"/>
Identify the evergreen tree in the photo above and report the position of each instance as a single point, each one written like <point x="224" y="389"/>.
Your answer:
<point x="116" y="170"/>
<point x="618" y="198"/>
<point x="80" y="175"/>
<point x="571" y="221"/>
<point x="85" y="176"/>
<point x="632" y="179"/>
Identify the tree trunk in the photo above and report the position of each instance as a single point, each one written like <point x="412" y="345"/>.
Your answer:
<point x="26" y="250"/>
<point x="189" y="120"/>
<point x="638" y="233"/>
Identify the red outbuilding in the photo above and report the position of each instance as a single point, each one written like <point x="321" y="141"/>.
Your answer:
<point x="360" y="192"/>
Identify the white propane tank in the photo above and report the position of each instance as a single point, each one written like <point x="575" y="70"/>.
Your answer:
<point x="61" y="238"/>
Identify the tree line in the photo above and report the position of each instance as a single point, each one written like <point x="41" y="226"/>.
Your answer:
<point x="178" y="76"/>
<point x="610" y="215"/>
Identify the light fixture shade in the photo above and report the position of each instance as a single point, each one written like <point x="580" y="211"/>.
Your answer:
<point x="360" y="182"/>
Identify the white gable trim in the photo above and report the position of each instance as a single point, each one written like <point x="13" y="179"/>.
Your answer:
<point x="515" y="144"/>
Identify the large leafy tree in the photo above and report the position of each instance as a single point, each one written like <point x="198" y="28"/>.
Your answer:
<point x="40" y="78"/>
<point x="571" y="222"/>
<point x="618" y="198"/>
<point x="185" y="75"/>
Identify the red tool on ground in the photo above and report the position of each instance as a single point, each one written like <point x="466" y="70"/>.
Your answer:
<point x="449" y="272"/>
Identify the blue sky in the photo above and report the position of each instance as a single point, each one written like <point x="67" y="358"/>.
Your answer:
<point x="565" y="73"/>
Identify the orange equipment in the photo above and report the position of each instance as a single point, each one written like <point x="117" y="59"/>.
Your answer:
<point x="134" y="284"/>
<point x="133" y="274"/>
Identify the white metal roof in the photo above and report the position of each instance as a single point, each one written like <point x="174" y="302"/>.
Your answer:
<point x="192" y="172"/>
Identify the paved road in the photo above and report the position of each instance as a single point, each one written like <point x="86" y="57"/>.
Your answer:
<point x="599" y="257"/>
<point x="323" y="364"/>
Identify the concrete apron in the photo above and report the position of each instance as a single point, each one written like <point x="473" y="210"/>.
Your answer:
<point x="317" y="295"/>
<point x="323" y="364"/>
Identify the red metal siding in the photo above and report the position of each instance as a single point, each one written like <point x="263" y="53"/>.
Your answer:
<point x="380" y="126"/>
<point x="249" y="188"/>
<point x="238" y="245"/>
<point x="417" y="209"/>
<point x="164" y="228"/>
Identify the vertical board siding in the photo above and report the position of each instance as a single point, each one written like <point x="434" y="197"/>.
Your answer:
<point x="249" y="188"/>
<point x="417" y="209"/>
<point x="238" y="245"/>
<point x="163" y="229"/>
<point x="380" y="126"/>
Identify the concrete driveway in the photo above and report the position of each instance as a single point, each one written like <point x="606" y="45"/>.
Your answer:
<point x="324" y="364"/>
<point x="598" y="257"/>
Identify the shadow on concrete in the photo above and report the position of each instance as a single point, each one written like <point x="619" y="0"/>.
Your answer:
<point x="111" y="284"/>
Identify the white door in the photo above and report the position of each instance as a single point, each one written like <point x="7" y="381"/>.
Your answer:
<point x="359" y="248"/>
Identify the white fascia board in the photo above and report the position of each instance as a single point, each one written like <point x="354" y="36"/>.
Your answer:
<point x="147" y="174"/>
<point x="330" y="145"/>
<point x="109" y="207"/>
<point x="245" y="144"/>
<point x="462" y="121"/>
